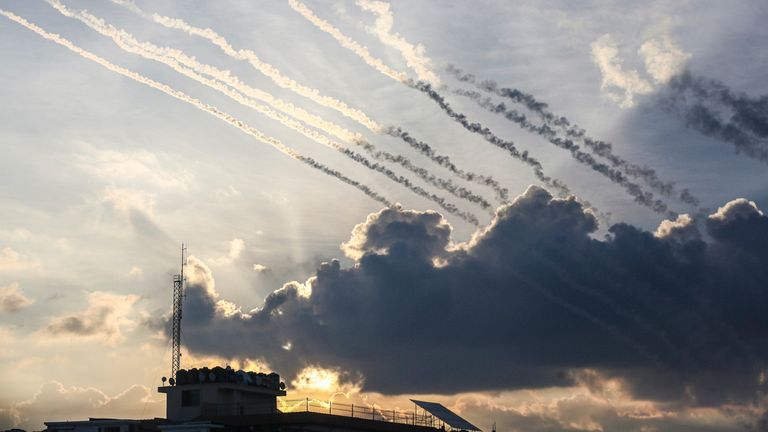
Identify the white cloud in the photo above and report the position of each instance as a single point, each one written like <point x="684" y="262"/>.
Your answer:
<point x="229" y="192"/>
<point x="663" y="58"/>
<point x="105" y="319"/>
<point x="236" y="248"/>
<point x="12" y="299"/>
<point x="138" y="167"/>
<point x="12" y="261"/>
<point x="620" y="85"/>
<point x="54" y="401"/>
<point x="130" y="199"/>
<point x="259" y="268"/>
<point x="136" y="271"/>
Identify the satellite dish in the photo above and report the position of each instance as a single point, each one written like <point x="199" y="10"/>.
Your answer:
<point x="172" y="381"/>
<point x="282" y="386"/>
<point x="164" y="379"/>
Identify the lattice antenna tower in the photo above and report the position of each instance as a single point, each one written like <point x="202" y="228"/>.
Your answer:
<point x="178" y="298"/>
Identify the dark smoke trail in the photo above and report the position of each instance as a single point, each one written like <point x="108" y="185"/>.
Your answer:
<point x="339" y="176"/>
<point x="704" y="102"/>
<point x="573" y="132"/>
<point x="450" y="208"/>
<point x="489" y="136"/>
<point x="615" y="176"/>
<point x="502" y="194"/>
<point x="425" y="175"/>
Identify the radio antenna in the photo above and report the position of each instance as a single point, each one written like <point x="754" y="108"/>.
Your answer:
<point x="178" y="297"/>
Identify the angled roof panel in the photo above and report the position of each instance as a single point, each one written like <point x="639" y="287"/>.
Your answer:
<point x="447" y="416"/>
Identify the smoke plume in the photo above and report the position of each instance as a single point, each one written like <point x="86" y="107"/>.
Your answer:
<point x="641" y="197"/>
<point x="715" y="110"/>
<point x="255" y="133"/>
<point x="265" y="68"/>
<point x="148" y="50"/>
<point x="573" y="132"/>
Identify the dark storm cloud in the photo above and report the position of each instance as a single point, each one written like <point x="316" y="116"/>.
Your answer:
<point x="713" y="109"/>
<point x="534" y="297"/>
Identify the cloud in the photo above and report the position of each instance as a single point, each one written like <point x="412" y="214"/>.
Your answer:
<point x="12" y="261"/>
<point x="663" y="58"/>
<point x="136" y="272"/>
<point x="236" y="248"/>
<point x="530" y="299"/>
<point x="127" y="199"/>
<point x="137" y="168"/>
<point x="616" y="80"/>
<point x="260" y="268"/>
<point x="105" y="319"/>
<point x="12" y="299"/>
<point x="54" y="401"/>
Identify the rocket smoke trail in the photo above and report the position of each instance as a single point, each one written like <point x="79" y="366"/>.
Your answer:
<point x="704" y="102"/>
<point x="346" y="41"/>
<point x="573" y="132"/>
<point x="197" y="104"/>
<point x="491" y="138"/>
<point x="426" y="88"/>
<point x="310" y="93"/>
<point x="261" y="66"/>
<point x="501" y="192"/>
<point x="580" y="156"/>
<point x="413" y="54"/>
<point x="128" y="43"/>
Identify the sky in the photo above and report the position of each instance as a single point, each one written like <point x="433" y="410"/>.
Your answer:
<point x="543" y="214"/>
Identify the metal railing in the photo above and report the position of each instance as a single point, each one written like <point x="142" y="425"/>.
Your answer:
<point x="366" y="412"/>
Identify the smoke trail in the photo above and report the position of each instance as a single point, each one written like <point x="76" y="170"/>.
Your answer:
<point x="160" y="53"/>
<point x="250" y="56"/>
<point x="598" y="147"/>
<point x="130" y="44"/>
<point x="501" y="192"/>
<point x="704" y="102"/>
<point x="491" y="137"/>
<point x="255" y="133"/>
<point x="615" y="176"/>
<point x="345" y="41"/>
<point x="313" y="94"/>
<point x="424" y="87"/>
<point x="414" y="55"/>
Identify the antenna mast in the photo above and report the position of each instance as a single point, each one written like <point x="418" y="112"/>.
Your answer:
<point x="178" y="296"/>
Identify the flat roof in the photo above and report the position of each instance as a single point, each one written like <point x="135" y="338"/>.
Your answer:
<point x="313" y="418"/>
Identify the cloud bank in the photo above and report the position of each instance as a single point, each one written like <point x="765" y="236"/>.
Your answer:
<point x="527" y="303"/>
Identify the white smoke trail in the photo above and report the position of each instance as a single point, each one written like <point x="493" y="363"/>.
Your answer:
<point x="414" y="55"/>
<point x="255" y="133"/>
<point x="313" y="94"/>
<point x="345" y="41"/>
<point x="251" y="57"/>
<point x="147" y="50"/>
<point x="225" y="76"/>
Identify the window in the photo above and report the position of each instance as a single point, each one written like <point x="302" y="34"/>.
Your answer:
<point x="110" y="429"/>
<point x="190" y="398"/>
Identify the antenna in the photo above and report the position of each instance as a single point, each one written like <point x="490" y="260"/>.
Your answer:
<point x="178" y="296"/>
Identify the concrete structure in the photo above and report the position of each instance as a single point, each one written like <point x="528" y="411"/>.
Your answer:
<point x="191" y="401"/>
<point x="224" y="400"/>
